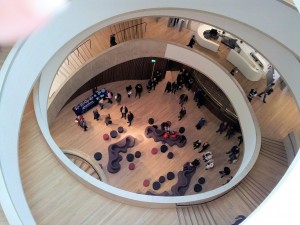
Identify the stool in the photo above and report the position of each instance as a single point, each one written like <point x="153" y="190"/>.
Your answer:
<point x="201" y="180"/>
<point x="131" y="166"/>
<point x="137" y="154"/>
<point x="98" y="156"/>
<point x="162" y="179"/>
<point x="151" y="121"/>
<point x="130" y="157"/>
<point x="170" y="155"/>
<point x="146" y="182"/>
<point x="170" y="175"/>
<point x="163" y="148"/>
<point x="156" y="185"/>
<point x="105" y="137"/>
<point x="197" y="188"/>
<point x="154" y="151"/>
<point x="113" y="134"/>
<point x="181" y="130"/>
<point x="120" y="130"/>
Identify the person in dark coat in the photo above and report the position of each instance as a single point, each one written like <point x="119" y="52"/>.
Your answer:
<point x="174" y="87"/>
<point x="124" y="111"/>
<point x="112" y="40"/>
<point x="230" y="132"/>
<point x="192" y="42"/>
<point x="130" y="118"/>
<point x="108" y="120"/>
<point x="201" y="123"/>
<point x="138" y="90"/>
<point x="96" y="114"/>
<point x="118" y="98"/>
<point x="182" y="113"/>
<point x="204" y="147"/>
<point x="268" y="90"/>
<point x="83" y="124"/>
<point x="252" y="94"/>
<point x="183" y="99"/>
<point x="129" y="90"/>
<point x="168" y="87"/>
<point x="223" y="126"/>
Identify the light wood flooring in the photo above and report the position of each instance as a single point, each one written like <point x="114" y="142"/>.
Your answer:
<point x="162" y="107"/>
<point x="55" y="197"/>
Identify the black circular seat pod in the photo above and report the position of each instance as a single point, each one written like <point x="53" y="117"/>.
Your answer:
<point x="130" y="157"/>
<point x="163" y="148"/>
<point x="162" y="179"/>
<point x="181" y="130"/>
<point x="113" y="134"/>
<point x="137" y="154"/>
<point x="201" y="180"/>
<point x="170" y="175"/>
<point x="98" y="156"/>
<point x="156" y="185"/>
<point x="151" y="121"/>
<point x="197" y="188"/>
<point x="170" y="155"/>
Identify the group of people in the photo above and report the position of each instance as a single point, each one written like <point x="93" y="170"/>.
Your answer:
<point x="223" y="127"/>
<point x="267" y="91"/>
<point x="233" y="154"/>
<point x="130" y="116"/>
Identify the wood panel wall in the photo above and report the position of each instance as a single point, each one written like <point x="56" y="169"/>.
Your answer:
<point x="137" y="69"/>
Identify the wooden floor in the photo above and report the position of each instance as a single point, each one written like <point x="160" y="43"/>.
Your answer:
<point x="56" y="198"/>
<point x="162" y="107"/>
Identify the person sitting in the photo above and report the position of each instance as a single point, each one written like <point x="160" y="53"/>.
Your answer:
<point x="174" y="134"/>
<point x="182" y="113"/>
<point x="195" y="163"/>
<point x="204" y="147"/>
<point x="223" y="126"/>
<point x="207" y="156"/>
<point x="209" y="164"/>
<point x="230" y="132"/>
<point x="197" y="144"/>
<point x="96" y="114"/>
<point x="166" y="136"/>
<point x="225" y="172"/>
<point x="108" y="120"/>
<point x="182" y="139"/>
<point x="201" y="123"/>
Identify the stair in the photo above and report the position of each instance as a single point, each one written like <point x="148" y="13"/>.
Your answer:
<point x="246" y="196"/>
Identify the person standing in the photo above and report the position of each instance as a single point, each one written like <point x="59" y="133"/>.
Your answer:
<point x="182" y="113"/>
<point x="109" y="96"/>
<point x="138" y="90"/>
<point x="83" y="124"/>
<point x="101" y="103"/>
<point x="268" y="90"/>
<point x="223" y="126"/>
<point x="96" y="114"/>
<point x="124" y="111"/>
<point x="168" y="87"/>
<point x="130" y="117"/>
<point x="108" y="120"/>
<point x="128" y="89"/>
<point x="118" y="98"/>
<point x="112" y="40"/>
<point x="192" y="42"/>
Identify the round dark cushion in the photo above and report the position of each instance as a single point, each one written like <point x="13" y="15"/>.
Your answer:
<point x="163" y="148"/>
<point x="156" y="185"/>
<point x="130" y="157"/>
<point x="105" y="137"/>
<point x="151" y="121"/>
<point x="120" y="130"/>
<point x="98" y="156"/>
<point x="113" y="134"/>
<point x="154" y="151"/>
<point x="162" y="179"/>
<point x="146" y="183"/>
<point x="201" y="180"/>
<point x="131" y="166"/>
<point x="170" y="175"/>
<point x="137" y="154"/>
<point x="181" y="130"/>
<point x="170" y="155"/>
<point x="197" y="188"/>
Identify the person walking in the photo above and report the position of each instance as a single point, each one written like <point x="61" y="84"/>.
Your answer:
<point x="130" y="117"/>
<point x="118" y="98"/>
<point x="268" y="90"/>
<point x="96" y="114"/>
<point x="124" y="111"/>
<point x="192" y="42"/>
<point x="252" y="94"/>
<point x="128" y="89"/>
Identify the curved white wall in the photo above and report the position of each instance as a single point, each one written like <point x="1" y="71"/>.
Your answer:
<point x="265" y="32"/>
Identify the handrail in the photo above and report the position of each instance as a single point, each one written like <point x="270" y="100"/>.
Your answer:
<point x="77" y="48"/>
<point x="85" y="157"/>
<point x="136" y="26"/>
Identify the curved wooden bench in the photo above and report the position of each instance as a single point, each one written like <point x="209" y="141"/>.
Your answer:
<point x="113" y="165"/>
